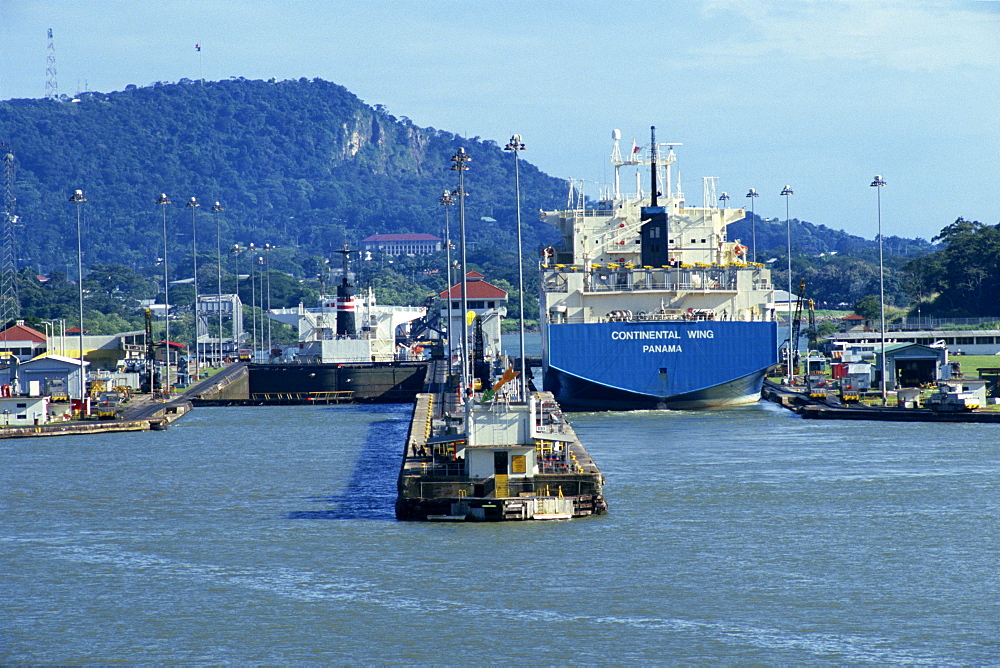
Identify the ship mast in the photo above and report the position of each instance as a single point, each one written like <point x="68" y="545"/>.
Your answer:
<point x="652" y="178"/>
<point x="637" y="158"/>
<point x="616" y="160"/>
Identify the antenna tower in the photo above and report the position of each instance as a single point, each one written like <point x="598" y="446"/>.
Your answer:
<point x="51" y="86"/>
<point x="10" y="305"/>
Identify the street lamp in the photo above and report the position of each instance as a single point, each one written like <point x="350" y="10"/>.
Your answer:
<point x="753" y="194"/>
<point x="235" y="252"/>
<point x="267" y="265"/>
<point x="785" y="192"/>
<point x="78" y="199"/>
<point x="216" y="209"/>
<point x="49" y="334"/>
<point x="461" y="160"/>
<point x="253" y="301"/>
<point x="514" y="146"/>
<point x="193" y="204"/>
<point x="259" y="316"/>
<point x="447" y="200"/>
<point x="238" y="250"/>
<point x="163" y="201"/>
<point x="877" y="184"/>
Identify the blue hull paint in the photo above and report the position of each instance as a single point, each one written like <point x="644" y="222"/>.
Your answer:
<point x="669" y="364"/>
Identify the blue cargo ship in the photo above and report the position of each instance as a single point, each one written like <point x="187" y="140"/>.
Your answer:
<point x="647" y="304"/>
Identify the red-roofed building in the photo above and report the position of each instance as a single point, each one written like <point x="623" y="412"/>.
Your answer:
<point x="854" y="323"/>
<point x="478" y="289"/>
<point x="401" y="244"/>
<point x="22" y="341"/>
<point x="486" y="300"/>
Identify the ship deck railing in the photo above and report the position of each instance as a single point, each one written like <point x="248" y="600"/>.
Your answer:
<point x="555" y="467"/>
<point x="646" y="317"/>
<point x="597" y="283"/>
<point x="612" y="285"/>
<point x="448" y="470"/>
<point x="554" y="485"/>
<point x="331" y="397"/>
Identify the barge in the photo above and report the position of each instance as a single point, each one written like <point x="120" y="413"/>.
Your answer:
<point x="518" y="461"/>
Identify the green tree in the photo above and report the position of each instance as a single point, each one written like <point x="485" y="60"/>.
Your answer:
<point x="964" y="276"/>
<point x="868" y="307"/>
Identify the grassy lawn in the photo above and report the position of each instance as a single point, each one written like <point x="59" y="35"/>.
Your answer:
<point x="972" y="362"/>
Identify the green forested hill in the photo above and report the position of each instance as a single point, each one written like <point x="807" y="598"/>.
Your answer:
<point x="839" y="268"/>
<point x="295" y="163"/>
<point x="306" y="166"/>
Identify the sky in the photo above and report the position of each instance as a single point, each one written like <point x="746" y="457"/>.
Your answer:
<point x="817" y="95"/>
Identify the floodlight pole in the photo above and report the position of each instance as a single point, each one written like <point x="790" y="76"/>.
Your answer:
<point x="785" y="192"/>
<point x="877" y="184"/>
<point x="514" y="146"/>
<point x="753" y="194"/>
<point x="78" y="199"/>
<point x="163" y="201"/>
<point x="461" y="160"/>
<point x="447" y="200"/>
<point x="216" y="208"/>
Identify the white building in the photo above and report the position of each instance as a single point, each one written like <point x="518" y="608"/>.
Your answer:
<point x="23" y="411"/>
<point x="401" y="244"/>
<point x="46" y="372"/>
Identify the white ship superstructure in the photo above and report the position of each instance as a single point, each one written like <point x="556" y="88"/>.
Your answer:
<point x="374" y="339"/>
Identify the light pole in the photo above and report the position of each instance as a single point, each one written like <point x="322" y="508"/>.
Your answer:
<point x="461" y="160"/>
<point x="78" y="199"/>
<point x="514" y="146"/>
<point x="260" y="314"/>
<point x="163" y="201"/>
<point x="724" y="197"/>
<point x="785" y="192"/>
<point x="447" y="200"/>
<point x="49" y="334"/>
<point x="238" y="250"/>
<point x="235" y="252"/>
<point x="267" y="265"/>
<point x="193" y="204"/>
<point x="753" y="194"/>
<point x="877" y="184"/>
<point x="253" y="301"/>
<point x="216" y="210"/>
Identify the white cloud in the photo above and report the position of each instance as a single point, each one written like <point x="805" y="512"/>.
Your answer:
<point x="899" y="34"/>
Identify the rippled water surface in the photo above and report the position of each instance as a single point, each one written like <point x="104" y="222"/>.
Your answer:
<point x="266" y="535"/>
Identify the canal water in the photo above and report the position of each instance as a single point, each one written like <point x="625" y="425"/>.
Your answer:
<point x="266" y="536"/>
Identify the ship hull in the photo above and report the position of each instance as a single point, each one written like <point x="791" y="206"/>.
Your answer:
<point x="375" y="382"/>
<point x="657" y="365"/>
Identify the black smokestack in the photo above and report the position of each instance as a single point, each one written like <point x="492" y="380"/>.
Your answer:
<point x="345" y="300"/>
<point x="654" y="232"/>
